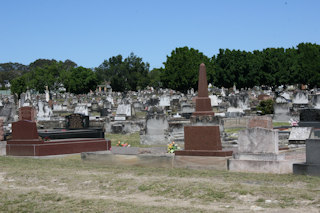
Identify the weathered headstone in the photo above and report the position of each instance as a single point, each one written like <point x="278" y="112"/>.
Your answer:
<point x="260" y="121"/>
<point x="154" y="133"/>
<point x="281" y="112"/>
<point x="258" y="149"/>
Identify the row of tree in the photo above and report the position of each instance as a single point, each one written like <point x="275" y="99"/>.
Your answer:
<point x="271" y="66"/>
<point x="55" y="74"/>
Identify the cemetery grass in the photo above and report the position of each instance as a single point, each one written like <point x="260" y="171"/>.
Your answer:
<point x="69" y="184"/>
<point x="132" y="139"/>
<point x="278" y="124"/>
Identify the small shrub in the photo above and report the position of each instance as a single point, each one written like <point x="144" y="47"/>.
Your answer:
<point x="266" y="107"/>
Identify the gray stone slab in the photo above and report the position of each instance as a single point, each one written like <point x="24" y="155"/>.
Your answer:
<point x="3" y="145"/>
<point x="261" y="166"/>
<point x="258" y="140"/>
<point x="313" y="151"/>
<point x="300" y="133"/>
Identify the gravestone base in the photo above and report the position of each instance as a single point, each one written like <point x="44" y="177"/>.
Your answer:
<point x="312" y="164"/>
<point x="260" y="166"/>
<point x="202" y="141"/>
<point x="259" y="157"/>
<point x="306" y="169"/>
<point x="56" y="147"/>
<point x="217" y="153"/>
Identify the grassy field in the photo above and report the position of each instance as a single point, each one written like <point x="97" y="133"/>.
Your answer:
<point x="71" y="185"/>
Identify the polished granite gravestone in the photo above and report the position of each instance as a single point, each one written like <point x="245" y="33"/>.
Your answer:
<point x="27" y="141"/>
<point x="310" y="118"/>
<point x="77" y="121"/>
<point x="202" y="140"/>
<point x="312" y="164"/>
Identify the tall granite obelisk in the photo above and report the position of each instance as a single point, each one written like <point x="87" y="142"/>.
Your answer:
<point x="203" y="102"/>
<point x="203" y="140"/>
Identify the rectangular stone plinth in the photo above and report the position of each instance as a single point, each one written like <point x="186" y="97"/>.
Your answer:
<point x="202" y="138"/>
<point x="259" y="157"/>
<point x="217" y="153"/>
<point x="306" y="169"/>
<point x="57" y="147"/>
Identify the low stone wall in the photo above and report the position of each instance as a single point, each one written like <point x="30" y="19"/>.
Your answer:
<point x="240" y="122"/>
<point x="124" y="126"/>
<point x="158" y="161"/>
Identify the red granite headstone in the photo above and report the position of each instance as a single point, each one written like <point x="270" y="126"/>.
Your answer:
<point x="24" y="129"/>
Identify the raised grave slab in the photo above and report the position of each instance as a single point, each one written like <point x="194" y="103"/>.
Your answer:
<point x="25" y="141"/>
<point x="299" y="135"/>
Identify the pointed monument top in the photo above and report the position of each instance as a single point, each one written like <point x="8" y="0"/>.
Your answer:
<point x="203" y="102"/>
<point x="202" y="83"/>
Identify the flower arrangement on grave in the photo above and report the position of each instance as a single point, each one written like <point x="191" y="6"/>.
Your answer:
<point x="121" y="144"/>
<point x="173" y="147"/>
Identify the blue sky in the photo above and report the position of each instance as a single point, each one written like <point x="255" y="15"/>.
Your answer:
<point x="88" y="32"/>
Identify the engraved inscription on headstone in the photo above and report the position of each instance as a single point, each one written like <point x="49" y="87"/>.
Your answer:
<point x="77" y="121"/>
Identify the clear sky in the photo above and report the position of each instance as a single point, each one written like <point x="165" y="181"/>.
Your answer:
<point x="90" y="31"/>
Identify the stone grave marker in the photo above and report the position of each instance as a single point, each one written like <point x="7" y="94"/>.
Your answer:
<point x="258" y="149"/>
<point x="310" y="118"/>
<point x="203" y="140"/>
<point x="260" y="121"/>
<point x="27" y="113"/>
<point x="312" y="164"/>
<point x="299" y="135"/>
<point x="77" y="121"/>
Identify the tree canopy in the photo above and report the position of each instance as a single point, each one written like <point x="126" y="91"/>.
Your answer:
<point x="270" y="66"/>
<point x="181" y="69"/>
<point x="128" y="74"/>
<point x="52" y="73"/>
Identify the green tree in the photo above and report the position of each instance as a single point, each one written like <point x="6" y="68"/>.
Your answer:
<point x="266" y="106"/>
<point x="18" y="86"/>
<point x="309" y="62"/>
<point x="128" y="74"/>
<point x="79" y="80"/>
<point x="181" y="69"/>
<point x="154" y="77"/>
